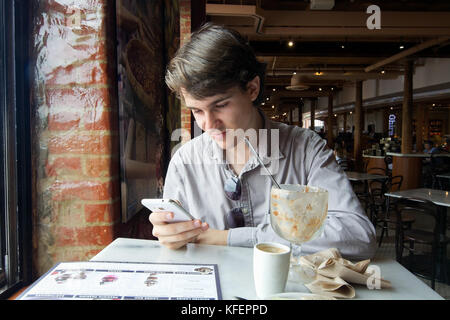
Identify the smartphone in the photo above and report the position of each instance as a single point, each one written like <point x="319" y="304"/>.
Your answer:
<point x="180" y="214"/>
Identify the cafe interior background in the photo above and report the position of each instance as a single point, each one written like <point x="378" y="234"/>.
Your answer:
<point x="96" y="126"/>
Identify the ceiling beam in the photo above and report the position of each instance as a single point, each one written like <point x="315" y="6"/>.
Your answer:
<point x="288" y="61"/>
<point x="238" y="11"/>
<point x="325" y="24"/>
<point x="406" y="53"/>
<point x="346" y="32"/>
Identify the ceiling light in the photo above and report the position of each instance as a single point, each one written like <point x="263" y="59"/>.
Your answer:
<point x="294" y="72"/>
<point x="351" y="112"/>
<point x="319" y="73"/>
<point x="284" y="114"/>
<point x="267" y="99"/>
<point x="402" y="47"/>
<point x="291" y="43"/>
<point x="274" y="89"/>
<point x="392" y="108"/>
<point x="434" y="104"/>
<point x="383" y="72"/>
<point x="273" y="107"/>
<point x="335" y="115"/>
<point x="320" y="89"/>
<point x="263" y="103"/>
<point x="343" y="47"/>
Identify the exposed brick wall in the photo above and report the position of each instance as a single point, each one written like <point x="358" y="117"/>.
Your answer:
<point x="76" y="210"/>
<point x="76" y="156"/>
<point x="185" y="32"/>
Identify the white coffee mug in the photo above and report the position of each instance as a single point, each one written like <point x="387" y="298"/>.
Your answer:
<point x="270" y="268"/>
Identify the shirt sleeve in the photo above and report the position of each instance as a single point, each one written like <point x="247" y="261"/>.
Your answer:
<point x="174" y="186"/>
<point x="346" y="228"/>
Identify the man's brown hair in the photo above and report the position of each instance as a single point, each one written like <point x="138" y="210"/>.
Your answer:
<point x="214" y="60"/>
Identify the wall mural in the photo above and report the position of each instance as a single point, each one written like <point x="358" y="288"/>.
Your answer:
<point x="141" y="95"/>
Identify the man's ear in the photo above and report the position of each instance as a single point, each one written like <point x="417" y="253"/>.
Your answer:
<point x="253" y="88"/>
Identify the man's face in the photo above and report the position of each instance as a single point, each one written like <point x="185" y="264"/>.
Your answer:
<point x="225" y="112"/>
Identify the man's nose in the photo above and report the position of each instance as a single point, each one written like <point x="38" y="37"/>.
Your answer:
<point x="210" y="121"/>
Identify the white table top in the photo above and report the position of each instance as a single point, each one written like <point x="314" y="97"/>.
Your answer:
<point x="417" y="155"/>
<point x="360" y="176"/>
<point x="444" y="175"/>
<point x="439" y="197"/>
<point x="236" y="269"/>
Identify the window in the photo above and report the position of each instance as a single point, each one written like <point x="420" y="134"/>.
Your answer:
<point x="15" y="148"/>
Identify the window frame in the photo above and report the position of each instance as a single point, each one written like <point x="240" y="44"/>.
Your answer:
<point x="15" y="143"/>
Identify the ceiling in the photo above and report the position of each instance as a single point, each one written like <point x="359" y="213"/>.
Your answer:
<point x="334" y="48"/>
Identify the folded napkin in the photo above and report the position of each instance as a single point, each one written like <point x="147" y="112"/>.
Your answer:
<point x="332" y="274"/>
<point x="331" y="287"/>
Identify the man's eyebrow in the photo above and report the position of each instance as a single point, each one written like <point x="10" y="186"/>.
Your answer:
<point x="214" y="102"/>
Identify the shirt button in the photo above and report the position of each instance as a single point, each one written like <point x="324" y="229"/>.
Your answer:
<point x="244" y="210"/>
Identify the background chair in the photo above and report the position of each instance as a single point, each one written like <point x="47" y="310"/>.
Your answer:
<point x="408" y="239"/>
<point x="389" y="162"/>
<point x="384" y="209"/>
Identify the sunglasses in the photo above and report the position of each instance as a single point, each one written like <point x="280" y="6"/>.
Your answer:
<point x="232" y="188"/>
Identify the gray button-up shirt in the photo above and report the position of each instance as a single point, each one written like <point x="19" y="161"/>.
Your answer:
<point x="198" y="170"/>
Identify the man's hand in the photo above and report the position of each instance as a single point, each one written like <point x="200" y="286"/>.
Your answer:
<point x="175" y="235"/>
<point x="213" y="236"/>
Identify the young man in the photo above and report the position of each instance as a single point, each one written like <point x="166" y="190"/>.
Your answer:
<point x="216" y="177"/>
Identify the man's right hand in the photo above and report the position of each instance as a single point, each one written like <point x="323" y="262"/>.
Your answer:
<point x="178" y="234"/>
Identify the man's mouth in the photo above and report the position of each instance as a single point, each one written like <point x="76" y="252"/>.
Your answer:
<point x="217" y="134"/>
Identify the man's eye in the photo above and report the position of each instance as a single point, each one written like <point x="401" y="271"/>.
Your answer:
<point x="221" y="105"/>
<point x="196" y="111"/>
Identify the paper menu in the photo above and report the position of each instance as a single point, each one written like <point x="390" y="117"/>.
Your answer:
<point x="126" y="281"/>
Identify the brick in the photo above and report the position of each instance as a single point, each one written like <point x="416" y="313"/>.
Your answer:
<point x="99" y="120"/>
<point x="77" y="98"/>
<point x="63" y="6"/>
<point x="63" y="121"/>
<point x="63" y="166"/>
<point x="82" y="144"/>
<point x="85" y="73"/>
<point x="67" y="213"/>
<point x="95" y="236"/>
<point x="99" y="213"/>
<point x="84" y="236"/>
<point x="101" y="167"/>
<point x="82" y="190"/>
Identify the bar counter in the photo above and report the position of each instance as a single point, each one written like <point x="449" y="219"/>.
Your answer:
<point x="409" y="165"/>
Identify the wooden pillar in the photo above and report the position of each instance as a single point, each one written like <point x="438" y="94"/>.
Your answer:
<point x="330" y="122"/>
<point x="313" y="112"/>
<point x="420" y="115"/>
<point x="426" y="120"/>
<point x="358" y="123"/>
<point x="345" y="122"/>
<point x="407" y="108"/>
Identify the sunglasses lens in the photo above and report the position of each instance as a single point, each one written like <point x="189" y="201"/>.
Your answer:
<point x="235" y="218"/>
<point x="233" y="188"/>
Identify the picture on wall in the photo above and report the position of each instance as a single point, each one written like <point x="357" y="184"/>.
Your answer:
<point x="141" y="97"/>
